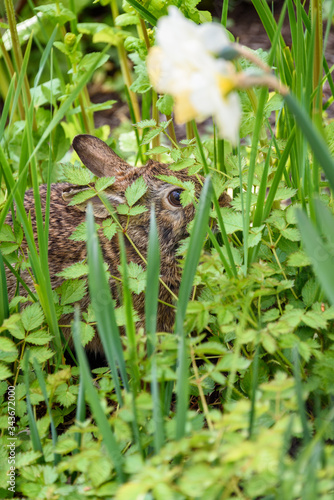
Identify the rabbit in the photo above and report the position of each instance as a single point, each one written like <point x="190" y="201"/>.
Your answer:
<point x="172" y="220"/>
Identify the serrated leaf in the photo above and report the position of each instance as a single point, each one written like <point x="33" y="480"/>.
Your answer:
<point x="41" y="354"/>
<point x="32" y="317"/>
<point x="76" y="270"/>
<point x="104" y="182"/>
<point x="7" y="345"/>
<point x="291" y="214"/>
<point x="135" y="191"/>
<point x="87" y="333"/>
<point x="72" y="291"/>
<point x="137" y="210"/>
<point x="41" y="337"/>
<point x="309" y="292"/>
<point x="165" y="104"/>
<point x="64" y="395"/>
<point x="291" y="233"/>
<point x="314" y="320"/>
<point x="285" y="193"/>
<point x="145" y="124"/>
<point x="109" y="228"/>
<point x="6" y="233"/>
<point x="158" y="150"/>
<point x="5" y="372"/>
<point x="56" y="12"/>
<point x="233" y="221"/>
<point x="14" y="325"/>
<point x="76" y="175"/>
<point x="80" y="232"/>
<point x="137" y="277"/>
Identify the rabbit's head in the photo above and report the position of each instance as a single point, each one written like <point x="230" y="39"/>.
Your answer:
<point x="172" y="218"/>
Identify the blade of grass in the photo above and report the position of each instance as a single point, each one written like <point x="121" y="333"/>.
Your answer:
<point x="231" y="270"/>
<point x="321" y="255"/>
<point x="103" y="307"/>
<point x="194" y="250"/>
<point x="94" y="403"/>
<point x="41" y="381"/>
<point x="34" y="435"/>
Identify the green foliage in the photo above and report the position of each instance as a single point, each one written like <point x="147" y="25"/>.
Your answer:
<point x="238" y="402"/>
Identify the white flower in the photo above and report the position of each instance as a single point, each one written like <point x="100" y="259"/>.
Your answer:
<point x="183" y="65"/>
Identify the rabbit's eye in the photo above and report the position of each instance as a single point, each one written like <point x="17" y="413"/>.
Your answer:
<point x="174" y="197"/>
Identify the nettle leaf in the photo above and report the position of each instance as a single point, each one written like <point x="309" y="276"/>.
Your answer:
<point x="255" y="236"/>
<point x="103" y="182"/>
<point x="14" y="325"/>
<point x="66" y="395"/>
<point x="310" y="291"/>
<point x="137" y="277"/>
<point x="41" y="354"/>
<point x="82" y="196"/>
<point x="158" y="150"/>
<point x="41" y="337"/>
<point x="72" y="291"/>
<point x="6" y="233"/>
<point x="56" y="12"/>
<point x="78" y="175"/>
<point x="285" y="193"/>
<point x="109" y="228"/>
<point x="80" y="232"/>
<point x="125" y="210"/>
<point x="87" y="333"/>
<point x="291" y="233"/>
<point x="182" y="164"/>
<point x="32" y="317"/>
<point x="314" y="320"/>
<point x="233" y="221"/>
<point x="135" y="191"/>
<point x="298" y="259"/>
<point x="5" y="372"/>
<point x="76" y="270"/>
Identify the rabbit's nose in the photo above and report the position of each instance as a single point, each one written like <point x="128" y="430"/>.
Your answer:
<point x="224" y="200"/>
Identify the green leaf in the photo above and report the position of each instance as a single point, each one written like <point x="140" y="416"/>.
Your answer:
<point x="56" y="13"/>
<point x="72" y="291"/>
<point x="182" y="164"/>
<point x="309" y="292"/>
<point x="82" y="196"/>
<point x="32" y="317"/>
<point x="135" y="191"/>
<point x="14" y="325"/>
<point x="298" y="259"/>
<point x="165" y="104"/>
<point x="145" y="124"/>
<point x="137" y="277"/>
<point x="73" y="174"/>
<point x="87" y="333"/>
<point x="76" y="270"/>
<point x="285" y="193"/>
<point x="109" y="228"/>
<point x="104" y="182"/>
<point x="126" y="19"/>
<point x="41" y="337"/>
<point x="5" y="372"/>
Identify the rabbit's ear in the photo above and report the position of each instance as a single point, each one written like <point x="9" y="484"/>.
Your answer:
<point x="99" y="209"/>
<point x="98" y="157"/>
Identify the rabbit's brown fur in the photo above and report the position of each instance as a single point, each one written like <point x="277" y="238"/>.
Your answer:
<point x="171" y="220"/>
